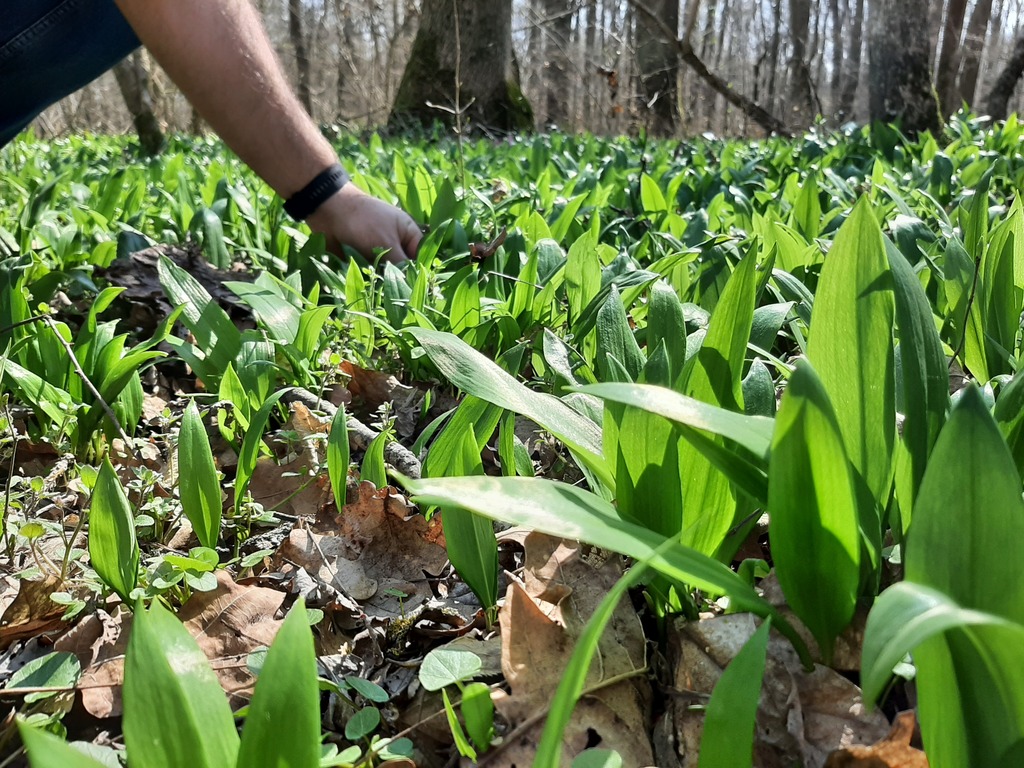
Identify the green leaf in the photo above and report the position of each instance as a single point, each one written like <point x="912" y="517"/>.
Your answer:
<point x="925" y="372"/>
<point x="714" y="375"/>
<point x="251" y="443"/>
<point x="283" y="723"/>
<point x="458" y="735"/>
<point x="113" y="549"/>
<point x="615" y="339"/>
<point x="368" y="690"/>
<point x="275" y="314"/>
<point x="851" y="348"/>
<point x="754" y="433"/>
<point x="338" y="457"/>
<point x="215" y="333"/>
<point x="175" y="713"/>
<point x="728" y="737"/>
<point x="48" y="751"/>
<point x="446" y="666"/>
<point x="968" y="508"/>
<point x="478" y="713"/>
<point x="472" y="546"/>
<point x="476" y="375"/>
<point x="198" y="483"/>
<point x="1009" y="413"/>
<point x="374" y="470"/>
<point x="665" y="323"/>
<point x="362" y="724"/>
<point x="54" y="670"/>
<point x="812" y="507"/>
<point x="582" y="275"/>
<point x="597" y="758"/>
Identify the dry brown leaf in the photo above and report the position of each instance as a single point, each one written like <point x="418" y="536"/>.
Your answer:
<point x="229" y="623"/>
<point x="538" y="635"/>
<point x="894" y="751"/>
<point x="32" y="612"/>
<point x="100" y="641"/>
<point x="802" y="716"/>
<point x="287" y="488"/>
<point x="374" y="388"/>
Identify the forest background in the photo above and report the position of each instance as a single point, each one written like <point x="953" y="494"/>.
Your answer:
<point x="730" y="67"/>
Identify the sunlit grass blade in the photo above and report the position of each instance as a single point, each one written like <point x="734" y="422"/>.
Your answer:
<point x="282" y="726"/>
<point x="338" y="456"/>
<point x="729" y="720"/>
<point x="175" y="713"/>
<point x="251" y="443"/>
<point x="198" y="481"/>
<point x="113" y="548"/>
<point x="815" y="536"/>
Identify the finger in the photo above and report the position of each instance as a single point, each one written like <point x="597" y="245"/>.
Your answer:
<point x="410" y="236"/>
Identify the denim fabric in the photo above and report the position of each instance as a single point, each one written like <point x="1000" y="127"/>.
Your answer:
<point x="50" y="48"/>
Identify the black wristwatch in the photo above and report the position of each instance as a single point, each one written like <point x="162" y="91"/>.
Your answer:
<point x="304" y="203"/>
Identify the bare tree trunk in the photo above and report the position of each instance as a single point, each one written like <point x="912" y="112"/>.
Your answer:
<point x="836" y="80"/>
<point x="901" y="88"/>
<point x="298" y="41"/>
<point x="133" y="81"/>
<point x="461" y="66"/>
<point x="949" y="57"/>
<point x="998" y="100"/>
<point x="851" y="78"/>
<point x="801" y="90"/>
<point x="974" y="46"/>
<point x="558" y="30"/>
<point x="773" y="52"/>
<point x="658" y="62"/>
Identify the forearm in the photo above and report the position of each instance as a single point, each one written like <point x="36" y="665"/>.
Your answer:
<point x="218" y="54"/>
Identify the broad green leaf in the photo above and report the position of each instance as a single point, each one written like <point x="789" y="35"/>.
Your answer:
<point x="851" y="348"/>
<point x="615" y="339"/>
<point x="582" y="275"/>
<point x="1009" y="413"/>
<point x="728" y="737"/>
<point x="215" y="333"/>
<point x="54" y="670"/>
<point x="472" y="546"/>
<point x="666" y="323"/>
<point x="251" y="444"/>
<point x="338" y="457"/>
<point x="754" y="433"/>
<point x="48" y="751"/>
<point x="566" y="511"/>
<point x="472" y="413"/>
<point x="478" y="713"/>
<point x="970" y="699"/>
<point x="474" y="374"/>
<point x="373" y="469"/>
<point x="275" y="314"/>
<point x="925" y="372"/>
<point x="282" y="727"/>
<point x="812" y="507"/>
<point x="447" y="666"/>
<point x="113" y="549"/>
<point x="759" y="391"/>
<point x="57" y="404"/>
<point x="968" y="508"/>
<point x="175" y="713"/>
<point x="198" y="483"/>
<point x="714" y="375"/>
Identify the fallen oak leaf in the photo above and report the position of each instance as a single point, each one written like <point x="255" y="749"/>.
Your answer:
<point x="894" y="751"/>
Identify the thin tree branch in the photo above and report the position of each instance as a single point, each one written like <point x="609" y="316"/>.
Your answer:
<point x="684" y="46"/>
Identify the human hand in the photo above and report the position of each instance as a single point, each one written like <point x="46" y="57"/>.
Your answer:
<point x="352" y="217"/>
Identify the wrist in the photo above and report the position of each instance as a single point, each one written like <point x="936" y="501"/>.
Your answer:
<point x="308" y="200"/>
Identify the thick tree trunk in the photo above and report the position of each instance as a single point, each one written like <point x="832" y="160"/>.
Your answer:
<point x="898" y="54"/>
<point x="801" y="90"/>
<point x="558" y="31"/>
<point x="974" y="46"/>
<point x="462" y="65"/>
<point x="998" y="100"/>
<point x="948" y="65"/>
<point x="851" y="76"/>
<point x="298" y="40"/>
<point x="134" y="82"/>
<point x="836" y="79"/>
<point x="658" y="65"/>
